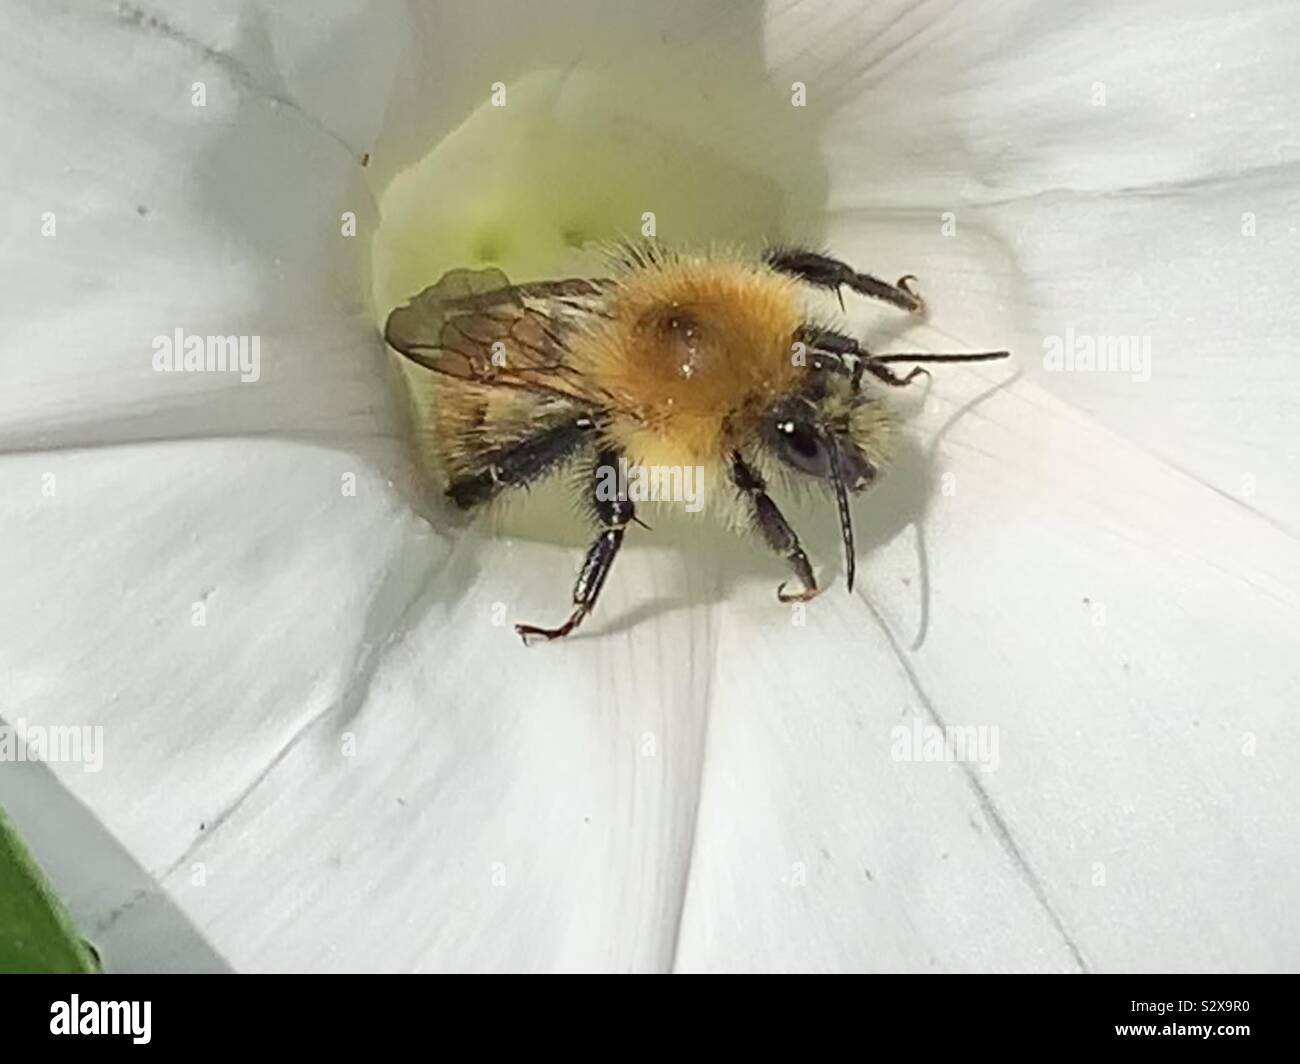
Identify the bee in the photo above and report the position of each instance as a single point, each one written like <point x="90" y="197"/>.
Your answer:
<point x="708" y="360"/>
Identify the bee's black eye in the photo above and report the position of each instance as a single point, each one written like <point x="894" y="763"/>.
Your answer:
<point x="799" y="444"/>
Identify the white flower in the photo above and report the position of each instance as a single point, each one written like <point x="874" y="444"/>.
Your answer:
<point x="321" y="745"/>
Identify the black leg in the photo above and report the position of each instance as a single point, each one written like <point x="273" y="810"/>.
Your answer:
<point x="838" y="353"/>
<point x="835" y="352"/>
<point x="614" y="516"/>
<point x="774" y="529"/>
<point x="521" y="463"/>
<point x="821" y="271"/>
<point x="883" y="373"/>
<point x="877" y="365"/>
<point x="830" y="341"/>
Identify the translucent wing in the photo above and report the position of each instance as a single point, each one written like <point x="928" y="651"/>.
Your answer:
<point x="476" y="326"/>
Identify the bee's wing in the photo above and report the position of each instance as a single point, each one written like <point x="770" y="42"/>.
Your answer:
<point x="476" y="326"/>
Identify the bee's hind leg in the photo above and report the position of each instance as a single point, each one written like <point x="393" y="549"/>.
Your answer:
<point x="821" y="271"/>
<point x="614" y="515"/>
<point x="521" y="463"/>
<point x="775" y="529"/>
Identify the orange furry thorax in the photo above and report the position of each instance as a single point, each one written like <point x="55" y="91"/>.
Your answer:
<point x="689" y="348"/>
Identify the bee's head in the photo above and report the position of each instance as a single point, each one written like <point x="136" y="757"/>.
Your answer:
<point x="830" y="431"/>
<point x="835" y="435"/>
<point x="846" y="445"/>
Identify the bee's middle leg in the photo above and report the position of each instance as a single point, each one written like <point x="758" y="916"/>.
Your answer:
<point x="614" y="516"/>
<point x="774" y="529"/>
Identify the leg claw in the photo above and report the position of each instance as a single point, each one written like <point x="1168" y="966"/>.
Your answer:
<point x="531" y="634"/>
<point x="546" y="635"/>
<point x="806" y="595"/>
<point x="907" y="283"/>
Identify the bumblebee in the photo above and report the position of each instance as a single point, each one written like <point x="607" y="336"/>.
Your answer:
<point x="707" y="360"/>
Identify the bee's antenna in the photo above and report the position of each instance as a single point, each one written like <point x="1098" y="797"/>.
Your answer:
<point x="981" y="356"/>
<point x="846" y="515"/>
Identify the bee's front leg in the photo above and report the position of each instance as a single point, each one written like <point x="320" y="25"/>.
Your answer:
<point x="883" y="373"/>
<point x="775" y="529"/>
<point x="615" y="515"/>
<point x="822" y="271"/>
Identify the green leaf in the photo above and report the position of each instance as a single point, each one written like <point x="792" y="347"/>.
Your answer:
<point x="36" y="934"/>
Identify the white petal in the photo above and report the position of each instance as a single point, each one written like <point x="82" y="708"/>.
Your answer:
<point x="506" y="809"/>
<point x="222" y="219"/>
<point x="1123" y="179"/>
<point x="204" y="603"/>
<point x="1125" y="632"/>
<point x="219" y="219"/>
